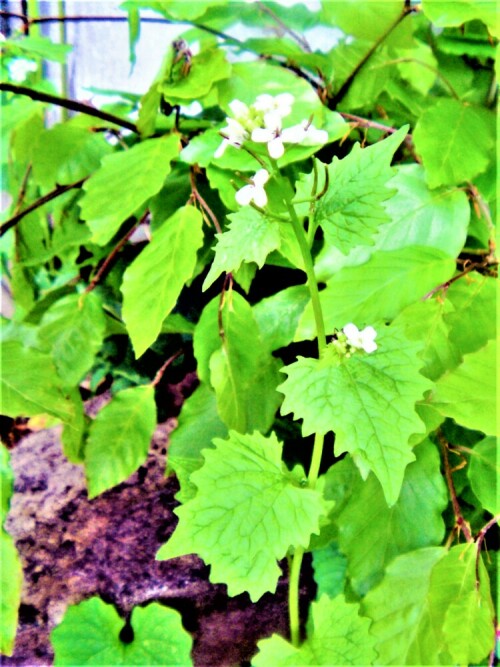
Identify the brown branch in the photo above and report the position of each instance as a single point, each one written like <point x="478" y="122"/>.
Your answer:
<point x="335" y="99"/>
<point x="113" y="255"/>
<point x="157" y="378"/>
<point x="480" y="539"/>
<point x="301" y="41"/>
<point x="73" y="105"/>
<point x="473" y="266"/>
<point x="22" y="190"/>
<point x="460" y="523"/>
<point x="205" y="207"/>
<point x="59" y="190"/>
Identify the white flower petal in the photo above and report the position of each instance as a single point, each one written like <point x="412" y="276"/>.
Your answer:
<point x="260" y="197"/>
<point x="239" y="109"/>
<point x="351" y="330"/>
<point x="222" y="148"/>
<point x="260" y="178"/>
<point x="369" y="346"/>
<point x="294" y="134"/>
<point x="272" y="121"/>
<point x="276" y="148"/>
<point x="262" y="135"/>
<point x="315" y="136"/>
<point x="245" y="195"/>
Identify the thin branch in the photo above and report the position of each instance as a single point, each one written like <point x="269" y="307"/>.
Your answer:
<point x="460" y="522"/>
<point x="205" y="207"/>
<point x="301" y="41"/>
<point x="59" y="190"/>
<point x="435" y="70"/>
<point x="157" y="378"/>
<point x="479" y="541"/>
<point x="113" y="255"/>
<point x="73" y="105"/>
<point x="22" y="190"/>
<point x="335" y="100"/>
<point x="473" y="266"/>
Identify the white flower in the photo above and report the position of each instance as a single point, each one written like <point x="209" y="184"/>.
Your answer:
<point x="305" y="133"/>
<point x="20" y="68"/>
<point x="271" y="137"/>
<point x="274" y="107"/>
<point x="361" y="340"/>
<point x="234" y="135"/>
<point x="275" y="137"/>
<point x="254" y="191"/>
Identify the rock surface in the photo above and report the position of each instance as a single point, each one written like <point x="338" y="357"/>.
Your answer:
<point x="72" y="548"/>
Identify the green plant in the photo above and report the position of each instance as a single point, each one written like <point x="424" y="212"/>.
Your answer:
<point x="316" y="282"/>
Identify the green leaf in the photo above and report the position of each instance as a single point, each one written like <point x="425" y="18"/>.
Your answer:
<point x="125" y="181"/>
<point x="378" y="289"/>
<point x="73" y="329"/>
<point x="238" y="365"/>
<point x="119" y="438"/>
<point x="154" y="280"/>
<point x="368" y="400"/>
<point x="372" y="534"/>
<point x="39" y="47"/>
<point x="329" y="566"/>
<point x="75" y="431"/>
<point x="66" y="153"/>
<point x="443" y="13"/>
<point x="207" y="67"/>
<point x="336" y="635"/>
<point x="90" y="635"/>
<point x="11" y="578"/>
<point x="468" y="393"/>
<point x="423" y="217"/>
<point x="351" y="210"/>
<point x="250" y="237"/>
<point x="239" y="521"/>
<point x="484" y="473"/>
<point x="399" y="606"/>
<point x="455" y="142"/>
<point x="6" y="482"/>
<point x="30" y="384"/>
<point x="472" y="321"/>
<point x="277" y="316"/>
<point x="198" y="424"/>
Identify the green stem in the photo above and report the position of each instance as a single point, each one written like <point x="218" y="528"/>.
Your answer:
<point x="313" y="475"/>
<point x="293" y="596"/>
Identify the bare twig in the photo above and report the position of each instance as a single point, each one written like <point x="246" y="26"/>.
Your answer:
<point x="195" y="194"/>
<point x="480" y="539"/>
<point x="73" y="105"/>
<point x="113" y="255"/>
<point x="460" y="522"/>
<point x="59" y="190"/>
<point x="473" y="266"/>
<point x="157" y="378"/>
<point x="301" y="41"/>
<point x="22" y="190"/>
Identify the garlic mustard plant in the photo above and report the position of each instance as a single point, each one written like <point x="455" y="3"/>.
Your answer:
<point x="254" y="191"/>
<point x="361" y="340"/>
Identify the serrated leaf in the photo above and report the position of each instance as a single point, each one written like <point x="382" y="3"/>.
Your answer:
<point x="66" y="153"/>
<point x="30" y="384"/>
<point x="73" y="329"/>
<point x="11" y="578"/>
<point x="90" y="635"/>
<point x="277" y="316"/>
<point x="484" y="473"/>
<point x="239" y="521"/>
<point x="368" y="400"/>
<point x="399" y="608"/>
<point x="238" y="365"/>
<point x="125" y="181"/>
<point x="443" y="13"/>
<point x="351" y="210"/>
<point x="154" y="280"/>
<point x="250" y="237"/>
<point x="198" y="423"/>
<point x="378" y="289"/>
<point x="468" y="393"/>
<point x="423" y="217"/>
<point x="454" y="141"/>
<point x="336" y="635"/>
<point x="119" y="438"/>
<point x="372" y="534"/>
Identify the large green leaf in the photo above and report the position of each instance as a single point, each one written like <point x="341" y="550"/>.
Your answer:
<point x="368" y="400"/>
<point x="378" y="289"/>
<point x="125" y="181"/>
<point x="484" y="474"/>
<point x="90" y="635"/>
<point x="428" y="611"/>
<point x="154" y="280"/>
<point x="372" y="534"/>
<point x="277" y="316"/>
<point x="119" y="438"/>
<point x="66" y="153"/>
<point x="73" y="329"/>
<point x="234" y="359"/>
<point x="30" y="384"/>
<point x="206" y="68"/>
<point x="468" y="393"/>
<point x="423" y="217"/>
<point x="351" y="210"/>
<point x="444" y="13"/>
<point x="250" y="237"/>
<point x="239" y="521"/>
<point x="336" y="635"/>
<point x="198" y="424"/>
<point x="455" y="141"/>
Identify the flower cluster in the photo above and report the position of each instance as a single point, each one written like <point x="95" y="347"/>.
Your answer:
<point x="351" y="339"/>
<point x="262" y="122"/>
